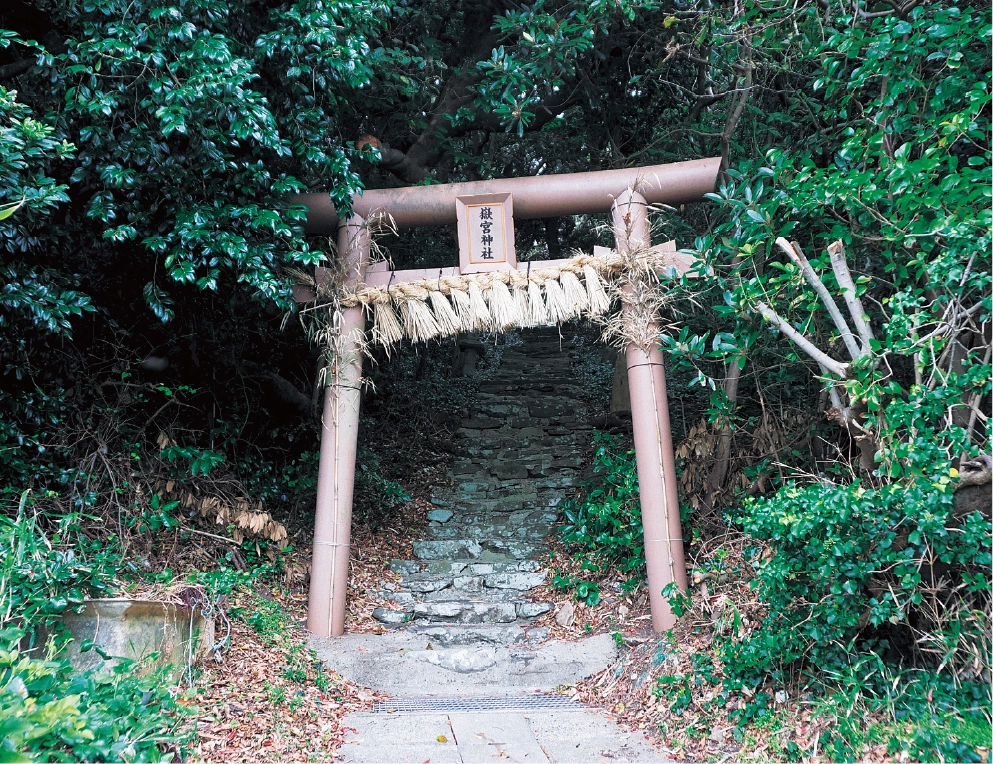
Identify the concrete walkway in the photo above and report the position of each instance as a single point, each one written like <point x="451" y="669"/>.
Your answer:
<point x="576" y="737"/>
<point x="477" y="703"/>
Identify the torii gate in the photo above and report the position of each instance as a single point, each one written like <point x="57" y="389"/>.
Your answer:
<point x="535" y="197"/>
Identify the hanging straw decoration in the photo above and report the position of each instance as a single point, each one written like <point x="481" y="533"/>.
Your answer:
<point x="559" y="309"/>
<point x="463" y="309"/>
<point x="386" y="328"/>
<point x="418" y="321"/>
<point x="599" y="301"/>
<point x="523" y="306"/>
<point x="503" y="309"/>
<point x="575" y="293"/>
<point x="538" y="315"/>
<point x="448" y="321"/>
<point x="478" y="311"/>
<point x="500" y="300"/>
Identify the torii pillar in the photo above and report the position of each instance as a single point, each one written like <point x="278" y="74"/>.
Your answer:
<point x="339" y="439"/>
<point x="652" y="434"/>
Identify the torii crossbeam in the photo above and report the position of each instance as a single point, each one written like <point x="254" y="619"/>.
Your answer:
<point x="626" y="194"/>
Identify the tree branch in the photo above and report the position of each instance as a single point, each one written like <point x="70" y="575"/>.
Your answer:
<point x="827" y="362"/>
<point x="741" y="98"/>
<point x="847" y="285"/>
<point x="16" y="68"/>
<point x="792" y="249"/>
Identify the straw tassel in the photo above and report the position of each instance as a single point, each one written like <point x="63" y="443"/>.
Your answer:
<point x="523" y="306"/>
<point x="559" y="309"/>
<point x="448" y="322"/>
<point x="599" y="301"/>
<point x="386" y="329"/>
<point x="479" y="312"/>
<point x="574" y="292"/>
<point x="463" y="309"/>
<point x="418" y="320"/>
<point x="537" y="315"/>
<point x="503" y="309"/>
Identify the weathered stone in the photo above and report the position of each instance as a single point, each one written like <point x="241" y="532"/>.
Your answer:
<point x="403" y="599"/>
<point x="452" y="634"/>
<point x="457" y="549"/>
<point x="485" y="533"/>
<point x="566" y="615"/>
<point x="519" y="581"/>
<point x="391" y="617"/>
<point x="440" y="515"/>
<point x="539" y="411"/>
<point x="538" y="634"/>
<point x="468" y="583"/>
<point x="427" y="584"/>
<point x="533" y="609"/>
<point x="482" y="423"/>
<point x="510" y="470"/>
<point x="467" y="611"/>
<point x="462" y="661"/>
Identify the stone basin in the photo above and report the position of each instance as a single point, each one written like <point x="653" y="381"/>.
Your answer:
<point x="128" y="628"/>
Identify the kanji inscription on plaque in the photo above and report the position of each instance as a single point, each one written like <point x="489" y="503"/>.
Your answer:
<point x="486" y="232"/>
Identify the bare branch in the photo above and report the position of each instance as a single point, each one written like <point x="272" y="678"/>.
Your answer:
<point x="792" y="249"/>
<point x="844" y="277"/>
<point x="977" y="398"/>
<point x="944" y="326"/>
<point x="826" y="362"/>
<point x="738" y="106"/>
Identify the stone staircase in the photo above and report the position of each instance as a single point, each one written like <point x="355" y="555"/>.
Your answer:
<point x="520" y="446"/>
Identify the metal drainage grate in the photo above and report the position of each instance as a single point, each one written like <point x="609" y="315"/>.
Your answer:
<point x="461" y="705"/>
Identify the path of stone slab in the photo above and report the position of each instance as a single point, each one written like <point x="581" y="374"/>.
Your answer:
<point x="461" y="618"/>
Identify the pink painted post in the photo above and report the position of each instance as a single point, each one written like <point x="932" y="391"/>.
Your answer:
<point x="339" y="439"/>
<point x="652" y="436"/>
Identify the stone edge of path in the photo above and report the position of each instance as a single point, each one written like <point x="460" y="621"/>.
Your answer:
<point x="401" y="664"/>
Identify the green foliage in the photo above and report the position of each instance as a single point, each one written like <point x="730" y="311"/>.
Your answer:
<point x="268" y="620"/>
<point x="202" y="461"/>
<point x="918" y="715"/>
<point x="50" y="712"/>
<point x="848" y="562"/>
<point x="603" y="527"/>
<point x="47" y="710"/>
<point x="377" y="497"/>
<point x="906" y="188"/>
<point x="41" y="575"/>
<point x="28" y="197"/>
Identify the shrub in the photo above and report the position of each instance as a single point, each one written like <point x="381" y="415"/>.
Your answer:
<point x="850" y="569"/>
<point x="40" y="576"/>
<point x="50" y="712"/>
<point x="603" y="526"/>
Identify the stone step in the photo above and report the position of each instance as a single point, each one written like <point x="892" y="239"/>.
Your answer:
<point x="536" y="532"/>
<point x="491" y="583"/>
<point x="405" y="600"/>
<point x="485" y="550"/>
<point x="456" y="567"/>
<point x="478" y="517"/>
<point x="447" y="634"/>
<point x="549" y="499"/>
<point x="478" y="611"/>
<point x="463" y="611"/>
<point x="492" y="483"/>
